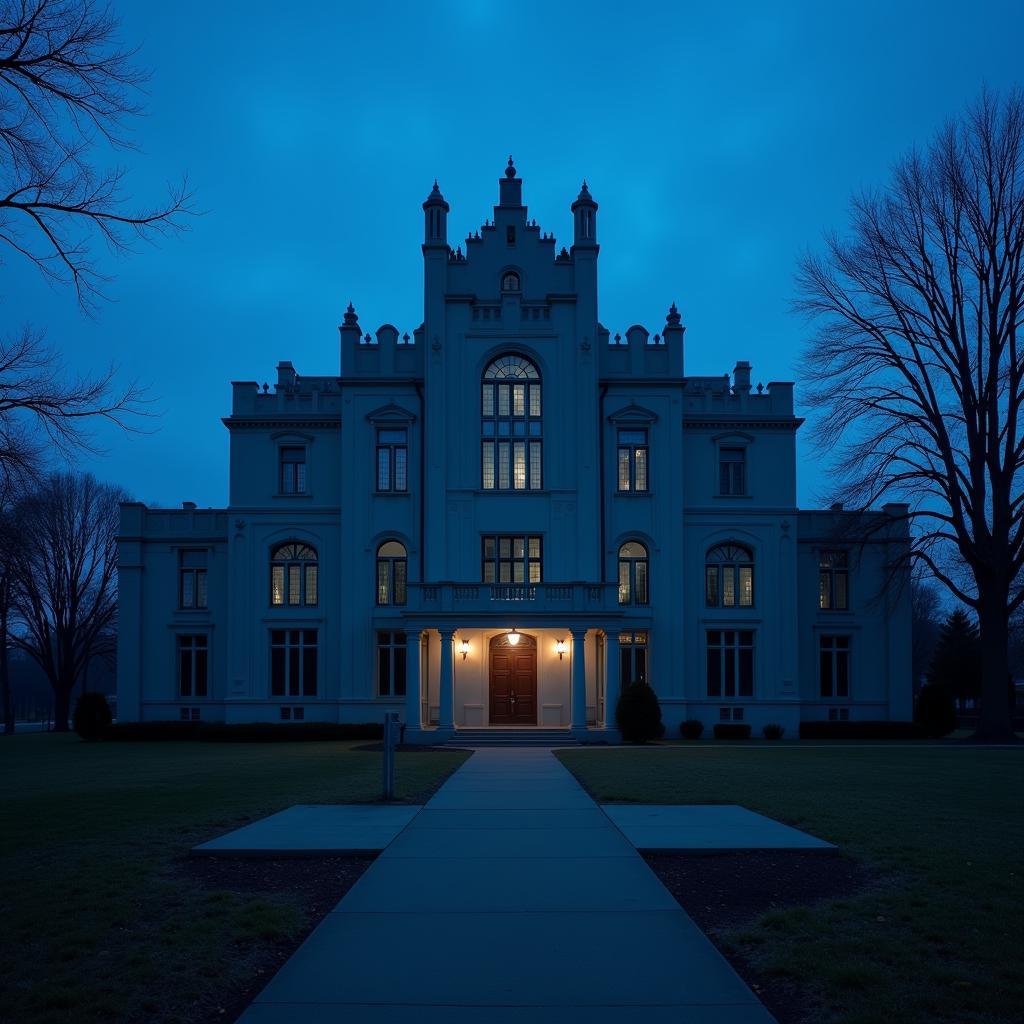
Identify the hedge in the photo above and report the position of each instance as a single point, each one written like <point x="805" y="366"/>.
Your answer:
<point x="246" y="732"/>
<point x="884" y="730"/>
<point x="732" y="731"/>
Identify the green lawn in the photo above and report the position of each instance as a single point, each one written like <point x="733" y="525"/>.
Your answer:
<point x="938" y="937"/>
<point x="97" y="921"/>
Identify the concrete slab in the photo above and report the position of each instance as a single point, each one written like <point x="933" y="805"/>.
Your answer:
<point x="315" y="829"/>
<point x="503" y="842"/>
<point x="521" y="798"/>
<point x="486" y="885"/>
<point x="512" y="959"/>
<point x="706" y="827"/>
<point x="572" y="817"/>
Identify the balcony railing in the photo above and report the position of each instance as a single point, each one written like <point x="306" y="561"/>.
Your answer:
<point x="532" y="597"/>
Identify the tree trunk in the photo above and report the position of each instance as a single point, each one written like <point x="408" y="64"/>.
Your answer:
<point x="995" y="719"/>
<point x="61" y="709"/>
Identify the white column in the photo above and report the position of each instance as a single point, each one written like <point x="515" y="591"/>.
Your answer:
<point x="447" y="681"/>
<point x="611" y="677"/>
<point x="412" y="680"/>
<point x="579" y="680"/>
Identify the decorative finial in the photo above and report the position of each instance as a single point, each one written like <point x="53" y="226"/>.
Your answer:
<point x="673" y="317"/>
<point x="350" y="315"/>
<point x="510" y="171"/>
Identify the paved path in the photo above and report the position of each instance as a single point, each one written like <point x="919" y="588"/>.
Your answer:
<point x="510" y="898"/>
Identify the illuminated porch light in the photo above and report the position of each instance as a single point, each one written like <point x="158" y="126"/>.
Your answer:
<point x="512" y="636"/>
<point x="560" y="647"/>
<point x="464" y="649"/>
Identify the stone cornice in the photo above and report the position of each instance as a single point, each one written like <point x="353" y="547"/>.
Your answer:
<point x="705" y="422"/>
<point x="280" y="422"/>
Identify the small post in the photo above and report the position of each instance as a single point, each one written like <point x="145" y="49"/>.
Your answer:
<point x="390" y="733"/>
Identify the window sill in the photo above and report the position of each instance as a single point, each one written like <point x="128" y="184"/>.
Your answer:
<point x="505" y="493"/>
<point x="733" y="497"/>
<point x="633" y="494"/>
<point x="392" y="494"/>
<point x="305" y="494"/>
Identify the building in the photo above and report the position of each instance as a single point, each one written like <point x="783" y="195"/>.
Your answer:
<point x="505" y="517"/>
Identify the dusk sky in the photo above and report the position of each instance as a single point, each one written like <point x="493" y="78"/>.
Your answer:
<point x="719" y="140"/>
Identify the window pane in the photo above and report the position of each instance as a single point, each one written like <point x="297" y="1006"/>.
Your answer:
<point x="503" y="465"/>
<point x="640" y="658"/>
<point x="729" y="667"/>
<point x="723" y="479"/>
<point x="728" y="586"/>
<point x="534" y="399"/>
<point x="400" y="565"/>
<point x="535" y="572"/>
<point x="535" y="547"/>
<point x="825" y="590"/>
<point x="277" y="671"/>
<point x="294" y="585"/>
<point x="519" y="475"/>
<point x="311" y="584"/>
<point x="487" y="400"/>
<point x="746" y="586"/>
<point x="625" y="666"/>
<point x="711" y="586"/>
<point x="623" y="582"/>
<point x="518" y="571"/>
<point x="188" y="588"/>
<point x="746" y="672"/>
<point x="518" y="399"/>
<point x="200" y="588"/>
<point x="504" y="547"/>
<point x="309" y="671"/>
<point x="503" y="399"/>
<point x="640" y="458"/>
<point x="487" y="454"/>
<point x="488" y="572"/>
<point x="840" y="584"/>
<point x="623" y="469"/>
<point x="383" y="671"/>
<point x="535" y="476"/>
<point x="199" y="680"/>
<point x="383" y="581"/>
<point x="184" y="669"/>
<point x="401" y="468"/>
<point x="641" y="582"/>
<point x="399" y="679"/>
<point x="739" y="484"/>
<point x="825" y="671"/>
<point x="842" y="673"/>
<point x="277" y="584"/>
<point x="300" y="478"/>
<point x="714" y="672"/>
<point x="383" y="469"/>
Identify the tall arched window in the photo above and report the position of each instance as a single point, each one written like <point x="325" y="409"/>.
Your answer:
<point x="633" y="573"/>
<point x="510" y="411"/>
<point x="510" y="280"/>
<point x="294" y="574"/>
<point x="391" y="573"/>
<point x="729" y="577"/>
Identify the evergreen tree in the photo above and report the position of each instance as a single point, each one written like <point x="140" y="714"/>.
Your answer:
<point x="956" y="663"/>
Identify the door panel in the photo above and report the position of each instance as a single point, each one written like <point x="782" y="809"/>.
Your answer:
<point x="513" y="682"/>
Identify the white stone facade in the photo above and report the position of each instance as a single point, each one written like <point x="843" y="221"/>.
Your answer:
<point x="511" y="419"/>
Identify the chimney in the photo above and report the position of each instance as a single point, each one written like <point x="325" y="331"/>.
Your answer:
<point x="741" y="378"/>
<point x="189" y="506"/>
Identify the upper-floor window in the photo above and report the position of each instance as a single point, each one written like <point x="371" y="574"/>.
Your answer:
<point x="732" y="471"/>
<point x="510" y="409"/>
<point x="729" y="577"/>
<point x="833" y="581"/>
<point x="392" y="459"/>
<point x="632" y="452"/>
<point x="293" y="470"/>
<point x="510" y="279"/>
<point x="633" y="573"/>
<point x="294" y="571"/>
<point x="511" y="560"/>
<point x="391" y="573"/>
<point x="192" y="579"/>
<point x="730" y="662"/>
<point x="834" y="666"/>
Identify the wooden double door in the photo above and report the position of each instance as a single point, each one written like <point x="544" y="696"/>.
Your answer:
<point x="513" y="681"/>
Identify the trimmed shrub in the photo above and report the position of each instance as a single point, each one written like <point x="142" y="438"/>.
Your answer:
<point x="934" y="711"/>
<point x="773" y="731"/>
<point x="638" y="714"/>
<point x="92" y="716"/>
<point x="691" y="729"/>
<point x="823" y="730"/>
<point x="732" y="731"/>
<point x="246" y="732"/>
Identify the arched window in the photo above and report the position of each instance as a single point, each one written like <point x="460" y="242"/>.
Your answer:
<point x="633" y="573"/>
<point x="510" y="428"/>
<point x="510" y="280"/>
<point x="293" y="574"/>
<point x="729" y="577"/>
<point x="391" y="573"/>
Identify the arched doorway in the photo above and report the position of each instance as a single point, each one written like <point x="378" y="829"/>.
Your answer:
<point x="513" y="681"/>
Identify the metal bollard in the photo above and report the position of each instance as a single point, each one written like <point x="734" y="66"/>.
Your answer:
<point x="390" y="734"/>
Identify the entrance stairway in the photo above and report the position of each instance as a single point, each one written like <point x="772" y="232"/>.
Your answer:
<point x="513" y="738"/>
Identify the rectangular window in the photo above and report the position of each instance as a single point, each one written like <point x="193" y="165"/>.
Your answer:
<point x="833" y="581"/>
<point x="510" y="559"/>
<point x="192" y="579"/>
<point x="632" y="658"/>
<point x="293" y="662"/>
<point x="193" y="666"/>
<point x="834" y="666"/>
<point x="293" y="470"/>
<point x="732" y="475"/>
<point x="392" y="460"/>
<point x="391" y="653"/>
<point x="632" y="460"/>
<point x="730" y="662"/>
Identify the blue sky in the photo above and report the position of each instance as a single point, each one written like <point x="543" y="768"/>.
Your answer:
<point x="720" y="141"/>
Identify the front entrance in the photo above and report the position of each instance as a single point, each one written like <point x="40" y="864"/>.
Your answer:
<point x="513" y="681"/>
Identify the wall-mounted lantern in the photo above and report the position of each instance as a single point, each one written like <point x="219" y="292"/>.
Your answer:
<point x="560" y="647"/>
<point x="464" y="649"/>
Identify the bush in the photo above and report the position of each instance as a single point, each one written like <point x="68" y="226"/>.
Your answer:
<point x="934" y="711"/>
<point x="732" y="731"/>
<point x="638" y="714"/>
<point x="773" y="731"/>
<point x="92" y="716"/>
<point x="824" y="730"/>
<point x="691" y="729"/>
<point x="246" y="732"/>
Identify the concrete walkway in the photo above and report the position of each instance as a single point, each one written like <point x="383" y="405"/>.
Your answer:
<point x="511" y="897"/>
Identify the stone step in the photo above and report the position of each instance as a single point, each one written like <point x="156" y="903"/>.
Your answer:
<point x="513" y="738"/>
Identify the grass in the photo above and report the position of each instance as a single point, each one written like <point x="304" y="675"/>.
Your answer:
<point x="96" y="924"/>
<point x="938" y="937"/>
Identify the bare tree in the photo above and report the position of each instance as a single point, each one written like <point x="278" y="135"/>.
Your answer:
<point x="65" y="578"/>
<point x="917" y="371"/>
<point x="925" y="621"/>
<point x="67" y="89"/>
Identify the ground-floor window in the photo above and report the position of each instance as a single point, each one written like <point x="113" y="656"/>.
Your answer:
<point x="193" y="666"/>
<point x="293" y="662"/>
<point x="391" y="664"/>
<point x="632" y="658"/>
<point x="730" y="661"/>
<point x="834" y="666"/>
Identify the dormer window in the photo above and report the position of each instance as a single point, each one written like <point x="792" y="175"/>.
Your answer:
<point x="510" y="282"/>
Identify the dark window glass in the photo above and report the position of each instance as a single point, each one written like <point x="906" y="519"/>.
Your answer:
<point x="391" y="664"/>
<point x="732" y="465"/>
<point x="192" y="579"/>
<point x="632" y="658"/>
<point x="293" y="662"/>
<point x="193" y="662"/>
<point x="293" y="470"/>
<point x="730" y="662"/>
<point x="834" y="666"/>
<point x="833" y="579"/>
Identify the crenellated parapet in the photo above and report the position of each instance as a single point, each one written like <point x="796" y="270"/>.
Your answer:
<point x="385" y="353"/>
<point x="638" y="353"/>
